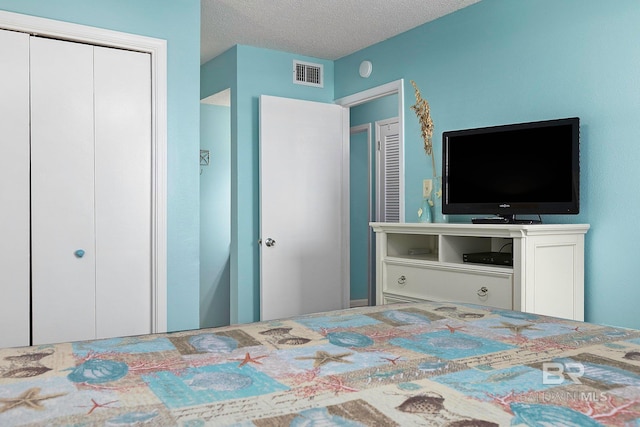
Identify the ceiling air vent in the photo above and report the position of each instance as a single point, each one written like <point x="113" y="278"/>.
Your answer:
<point x="306" y="73"/>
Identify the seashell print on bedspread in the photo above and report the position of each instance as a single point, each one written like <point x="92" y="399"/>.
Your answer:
<point x="423" y="364"/>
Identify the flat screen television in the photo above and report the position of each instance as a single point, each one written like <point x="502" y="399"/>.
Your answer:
<point x="517" y="169"/>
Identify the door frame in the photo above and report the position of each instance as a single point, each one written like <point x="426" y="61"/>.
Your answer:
<point x="371" y="216"/>
<point x="157" y="48"/>
<point x="394" y="87"/>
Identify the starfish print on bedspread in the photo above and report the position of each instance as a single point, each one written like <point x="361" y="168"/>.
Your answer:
<point x="97" y="405"/>
<point x="321" y="358"/>
<point x="247" y="358"/>
<point x="392" y="360"/>
<point x="453" y="329"/>
<point x="30" y="398"/>
<point x="516" y="329"/>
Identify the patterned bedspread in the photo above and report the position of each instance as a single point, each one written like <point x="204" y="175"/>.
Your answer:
<point x="430" y="364"/>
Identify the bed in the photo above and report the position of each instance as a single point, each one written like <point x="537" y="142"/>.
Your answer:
<point x="424" y="364"/>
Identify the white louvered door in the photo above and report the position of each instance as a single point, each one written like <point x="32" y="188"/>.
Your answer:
<point x="389" y="172"/>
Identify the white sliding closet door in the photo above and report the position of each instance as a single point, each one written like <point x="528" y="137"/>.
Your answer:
<point x="123" y="192"/>
<point x="62" y="189"/>
<point x="14" y="189"/>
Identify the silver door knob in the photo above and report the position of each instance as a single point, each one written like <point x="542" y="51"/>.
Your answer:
<point x="270" y="242"/>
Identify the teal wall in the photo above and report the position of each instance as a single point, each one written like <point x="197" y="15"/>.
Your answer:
<point x="500" y="62"/>
<point x="215" y="216"/>
<point x="257" y="72"/>
<point x="372" y="111"/>
<point x="178" y="22"/>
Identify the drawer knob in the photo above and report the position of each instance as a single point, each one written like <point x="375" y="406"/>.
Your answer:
<point x="402" y="280"/>
<point x="483" y="291"/>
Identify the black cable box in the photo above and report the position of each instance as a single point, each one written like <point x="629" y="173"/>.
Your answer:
<point x="495" y="258"/>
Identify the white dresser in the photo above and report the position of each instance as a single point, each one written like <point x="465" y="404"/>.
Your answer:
<point x="416" y="261"/>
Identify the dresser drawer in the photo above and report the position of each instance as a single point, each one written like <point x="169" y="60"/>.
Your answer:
<point x="395" y="299"/>
<point x="492" y="289"/>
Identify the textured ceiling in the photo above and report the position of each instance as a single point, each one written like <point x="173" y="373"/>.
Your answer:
<point x="326" y="29"/>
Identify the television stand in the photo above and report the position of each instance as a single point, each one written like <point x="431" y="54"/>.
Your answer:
<point x="425" y="261"/>
<point x="506" y="219"/>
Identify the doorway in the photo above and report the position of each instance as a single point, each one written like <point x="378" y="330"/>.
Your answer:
<point x="361" y="212"/>
<point x="215" y="209"/>
<point x="367" y="108"/>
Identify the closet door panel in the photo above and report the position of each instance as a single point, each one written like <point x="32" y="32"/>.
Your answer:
<point x="14" y="189"/>
<point x="123" y="192"/>
<point x="62" y="188"/>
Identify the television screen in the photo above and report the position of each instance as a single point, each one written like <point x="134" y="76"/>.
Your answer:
<point x="518" y="169"/>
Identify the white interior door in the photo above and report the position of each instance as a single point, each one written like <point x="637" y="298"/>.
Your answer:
<point x="14" y="189"/>
<point x="62" y="188"/>
<point x="122" y="191"/>
<point x="301" y="217"/>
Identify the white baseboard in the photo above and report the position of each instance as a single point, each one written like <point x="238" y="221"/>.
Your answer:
<point x="358" y="303"/>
